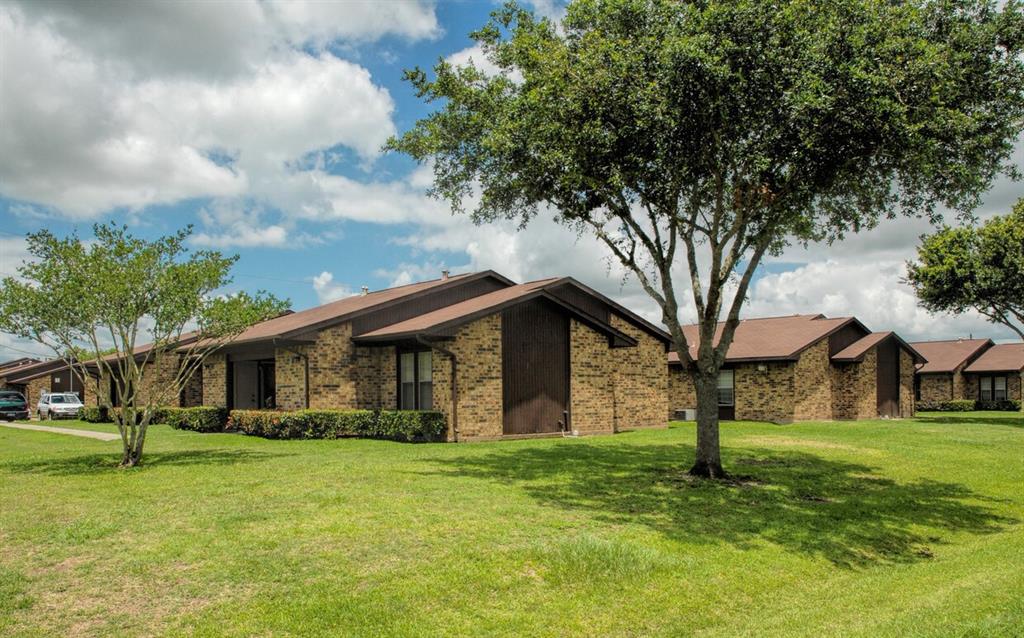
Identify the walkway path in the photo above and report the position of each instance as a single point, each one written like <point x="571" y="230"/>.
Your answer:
<point x="89" y="434"/>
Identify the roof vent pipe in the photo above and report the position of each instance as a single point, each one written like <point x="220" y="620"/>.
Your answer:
<point x="444" y="274"/>
<point x="366" y="290"/>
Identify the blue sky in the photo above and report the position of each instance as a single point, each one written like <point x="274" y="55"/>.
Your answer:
<point x="260" y="123"/>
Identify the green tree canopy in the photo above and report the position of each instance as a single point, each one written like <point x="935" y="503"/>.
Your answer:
<point x="980" y="268"/>
<point x="713" y="133"/>
<point x="117" y="304"/>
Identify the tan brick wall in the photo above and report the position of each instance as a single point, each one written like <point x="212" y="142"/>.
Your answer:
<point x="764" y="396"/>
<point x="906" y="384"/>
<point x="158" y="380"/>
<point x="34" y="390"/>
<point x="1013" y="385"/>
<point x="641" y="380"/>
<point x="193" y="390"/>
<point x="682" y="395"/>
<point x="937" y="387"/>
<point x="388" y="390"/>
<point x="856" y="394"/>
<point x="812" y="384"/>
<point x="959" y="387"/>
<point x="332" y="360"/>
<point x="477" y="348"/>
<point x="215" y="388"/>
<point x="290" y="378"/>
<point x="970" y="387"/>
<point x="592" y="377"/>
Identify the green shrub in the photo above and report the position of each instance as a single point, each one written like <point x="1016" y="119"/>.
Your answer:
<point x="1004" y="405"/>
<point x="957" y="405"/>
<point x="198" y="419"/>
<point x="404" y="425"/>
<point x="95" y="414"/>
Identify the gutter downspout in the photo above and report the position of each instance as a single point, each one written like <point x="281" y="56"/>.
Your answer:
<point x="455" y="382"/>
<point x="305" y="360"/>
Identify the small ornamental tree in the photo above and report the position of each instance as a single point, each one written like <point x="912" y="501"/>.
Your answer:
<point x="702" y="136"/>
<point x="981" y="268"/>
<point x="118" y="307"/>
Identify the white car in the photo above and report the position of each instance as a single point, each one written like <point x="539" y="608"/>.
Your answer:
<point x="65" y="405"/>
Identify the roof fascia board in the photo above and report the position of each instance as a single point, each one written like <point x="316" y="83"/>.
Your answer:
<point x="384" y="305"/>
<point x="628" y="314"/>
<point x="539" y="293"/>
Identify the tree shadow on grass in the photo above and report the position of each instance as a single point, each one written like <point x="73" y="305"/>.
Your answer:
<point x="1011" y="419"/>
<point x="843" y="512"/>
<point x="87" y="464"/>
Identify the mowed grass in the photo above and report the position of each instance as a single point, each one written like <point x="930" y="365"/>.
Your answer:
<point x="899" y="528"/>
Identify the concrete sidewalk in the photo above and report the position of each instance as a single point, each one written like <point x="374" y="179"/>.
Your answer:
<point x="89" y="434"/>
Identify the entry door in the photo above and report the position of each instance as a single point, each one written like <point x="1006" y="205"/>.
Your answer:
<point x="246" y="385"/>
<point x="535" y="368"/>
<point x="888" y="378"/>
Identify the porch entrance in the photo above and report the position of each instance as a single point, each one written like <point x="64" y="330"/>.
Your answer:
<point x="253" y="385"/>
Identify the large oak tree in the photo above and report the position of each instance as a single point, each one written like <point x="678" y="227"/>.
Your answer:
<point x="709" y="134"/>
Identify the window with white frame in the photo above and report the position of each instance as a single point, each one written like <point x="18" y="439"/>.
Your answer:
<point x="415" y="381"/>
<point x="992" y="388"/>
<point x="726" y="395"/>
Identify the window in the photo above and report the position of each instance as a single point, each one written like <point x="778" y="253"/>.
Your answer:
<point x="415" y="381"/>
<point x="992" y="388"/>
<point x="999" y="391"/>
<point x="726" y="396"/>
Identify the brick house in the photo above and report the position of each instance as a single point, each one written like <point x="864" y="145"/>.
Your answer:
<point x="942" y="377"/>
<point x="804" y="367"/>
<point x="997" y="374"/>
<point x="35" y="379"/>
<point x="499" y="359"/>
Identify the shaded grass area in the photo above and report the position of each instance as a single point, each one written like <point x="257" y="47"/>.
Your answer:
<point x="871" y="529"/>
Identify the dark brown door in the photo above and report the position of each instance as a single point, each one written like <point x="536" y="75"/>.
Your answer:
<point x="535" y="368"/>
<point x="888" y="378"/>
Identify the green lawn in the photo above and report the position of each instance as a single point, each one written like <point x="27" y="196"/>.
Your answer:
<point x="902" y="528"/>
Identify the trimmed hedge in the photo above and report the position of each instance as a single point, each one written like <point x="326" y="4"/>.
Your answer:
<point x="1006" y="405"/>
<point x="197" y="419"/>
<point x="94" y="414"/>
<point x="957" y="405"/>
<point x="968" y="405"/>
<point x="396" y="425"/>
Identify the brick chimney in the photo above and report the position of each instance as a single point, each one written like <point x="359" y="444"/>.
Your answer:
<point x="444" y="274"/>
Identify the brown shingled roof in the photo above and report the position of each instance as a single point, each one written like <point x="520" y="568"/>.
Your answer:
<point x="856" y="350"/>
<point x="435" y="323"/>
<point x="769" y="338"/>
<point x="36" y="370"/>
<point x="8" y="366"/>
<point x="320" y="316"/>
<point x="948" y="356"/>
<point x="1003" y="357"/>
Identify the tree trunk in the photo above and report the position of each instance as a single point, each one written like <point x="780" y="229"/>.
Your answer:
<point x="709" y="458"/>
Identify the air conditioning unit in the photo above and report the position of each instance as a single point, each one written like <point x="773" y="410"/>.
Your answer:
<point x="686" y="415"/>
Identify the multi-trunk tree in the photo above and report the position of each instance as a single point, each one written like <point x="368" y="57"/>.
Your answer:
<point x="702" y="136"/>
<point x="979" y="268"/>
<point x="139" y="315"/>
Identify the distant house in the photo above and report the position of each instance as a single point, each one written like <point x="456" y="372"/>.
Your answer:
<point x="942" y="377"/>
<point x="997" y="374"/>
<point x="804" y="367"/>
<point x="499" y="359"/>
<point x="35" y="379"/>
<point x="9" y="366"/>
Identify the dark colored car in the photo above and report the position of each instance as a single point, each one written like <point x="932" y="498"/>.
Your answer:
<point x="12" y="406"/>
